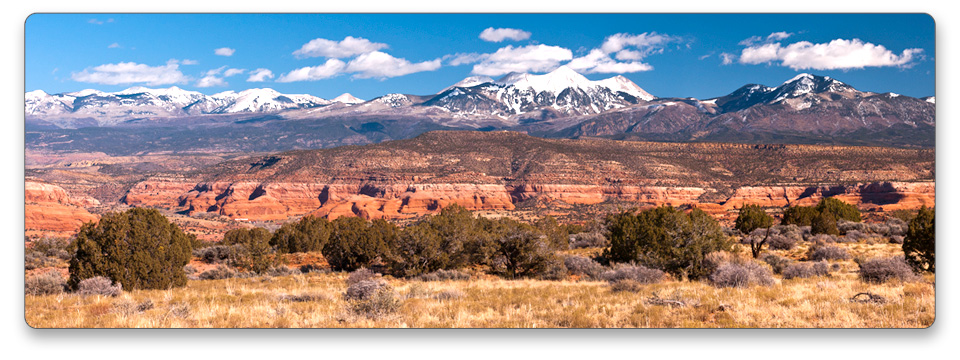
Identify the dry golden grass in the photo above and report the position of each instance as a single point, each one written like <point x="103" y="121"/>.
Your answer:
<point x="822" y="302"/>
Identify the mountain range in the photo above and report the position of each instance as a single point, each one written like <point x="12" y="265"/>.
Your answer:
<point x="563" y="103"/>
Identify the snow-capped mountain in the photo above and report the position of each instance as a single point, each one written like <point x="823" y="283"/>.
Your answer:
<point x="807" y="88"/>
<point x="346" y="98"/>
<point x="561" y="92"/>
<point x="109" y="108"/>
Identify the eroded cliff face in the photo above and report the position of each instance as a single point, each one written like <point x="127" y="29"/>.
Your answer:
<point x="50" y="211"/>
<point x="372" y="200"/>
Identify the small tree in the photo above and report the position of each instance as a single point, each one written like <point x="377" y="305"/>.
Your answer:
<point x="521" y="251"/>
<point x="752" y="217"/>
<point x="824" y="223"/>
<point x="919" y="244"/>
<point x="138" y="248"/>
<point x="355" y="243"/>
<point x="839" y="209"/>
<point x="799" y="215"/>
<point x="256" y="252"/>
<point x="666" y="238"/>
<point x="309" y="234"/>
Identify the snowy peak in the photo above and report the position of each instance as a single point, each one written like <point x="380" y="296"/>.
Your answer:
<point x="809" y="84"/>
<point x="346" y="98"/>
<point x="469" y="81"/>
<point x="554" y="82"/>
<point x="622" y="84"/>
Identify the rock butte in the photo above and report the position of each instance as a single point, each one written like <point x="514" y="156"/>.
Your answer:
<point x="282" y="200"/>
<point x="49" y="210"/>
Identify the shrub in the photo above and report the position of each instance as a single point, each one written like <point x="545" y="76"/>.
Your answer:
<point x="589" y="240"/>
<point x="99" y="285"/>
<point x="823" y="239"/>
<point x="780" y="242"/>
<point x="556" y="235"/>
<point x="218" y="273"/>
<point x="627" y="285"/>
<point x="355" y="242"/>
<point x="879" y="270"/>
<point x="45" y="283"/>
<point x="364" y="289"/>
<point x="838" y="209"/>
<point x="311" y="268"/>
<point x="253" y="249"/>
<point x="919" y="244"/>
<point x="308" y="234"/>
<point x="450" y="294"/>
<point x="519" y="250"/>
<point x="382" y="302"/>
<point x="583" y="266"/>
<point x="824" y="223"/>
<point x="713" y="260"/>
<point x="897" y="227"/>
<point x="845" y="226"/>
<point x="281" y="270"/>
<point x="799" y="215"/>
<point x="752" y="217"/>
<point x="451" y="239"/>
<point x="827" y="252"/>
<point x="638" y="273"/>
<point x="791" y="231"/>
<point x="361" y="274"/>
<point x="138" y="248"/>
<point x="896" y="239"/>
<point x="554" y="269"/>
<point x="444" y="275"/>
<point x="741" y="275"/>
<point x="806" y="269"/>
<point x="665" y="238"/>
<point x="777" y="263"/>
<point x="218" y="254"/>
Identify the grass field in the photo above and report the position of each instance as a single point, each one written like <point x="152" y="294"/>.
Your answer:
<point x="315" y="300"/>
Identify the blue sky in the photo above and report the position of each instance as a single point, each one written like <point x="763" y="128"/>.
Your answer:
<point x="699" y="55"/>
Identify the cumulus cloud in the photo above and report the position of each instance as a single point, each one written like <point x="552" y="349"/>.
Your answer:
<point x="232" y="72"/>
<point x="132" y="73"/>
<point x="536" y="58"/>
<point x="644" y="44"/>
<point x="837" y="54"/>
<point x="349" y="46"/>
<point x="224" y="51"/>
<point x="211" y="81"/>
<point x="382" y="65"/>
<point x="501" y="34"/>
<point x="260" y="75"/>
<point x="99" y="22"/>
<point x="188" y="62"/>
<point x="596" y="61"/>
<point x="114" y="46"/>
<point x="331" y="68"/>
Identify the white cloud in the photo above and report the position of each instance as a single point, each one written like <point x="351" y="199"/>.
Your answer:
<point x="773" y="37"/>
<point x="461" y="58"/>
<point x="224" y="51"/>
<point x="232" y="72"/>
<point x="777" y="36"/>
<point x="536" y="58"/>
<point x="750" y="40"/>
<point x="629" y="55"/>
<point x="260" y="75"/>
<point x="331" y="68"/>
<point x="114" y="46"/>
<point x="500" y="34"/>
<point x="837" y="54"/>
<point x="382" y="65"/>
<point x="727" y="58"/>
<point x="188" y="62"/>
<point x="349" y="46"/>
<point x="644" y="44"/>
<point x="599" y="62"/>
<point x="211" y="81"/>
<point x="131" y="73"/>
<point x="216" y="71"/>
